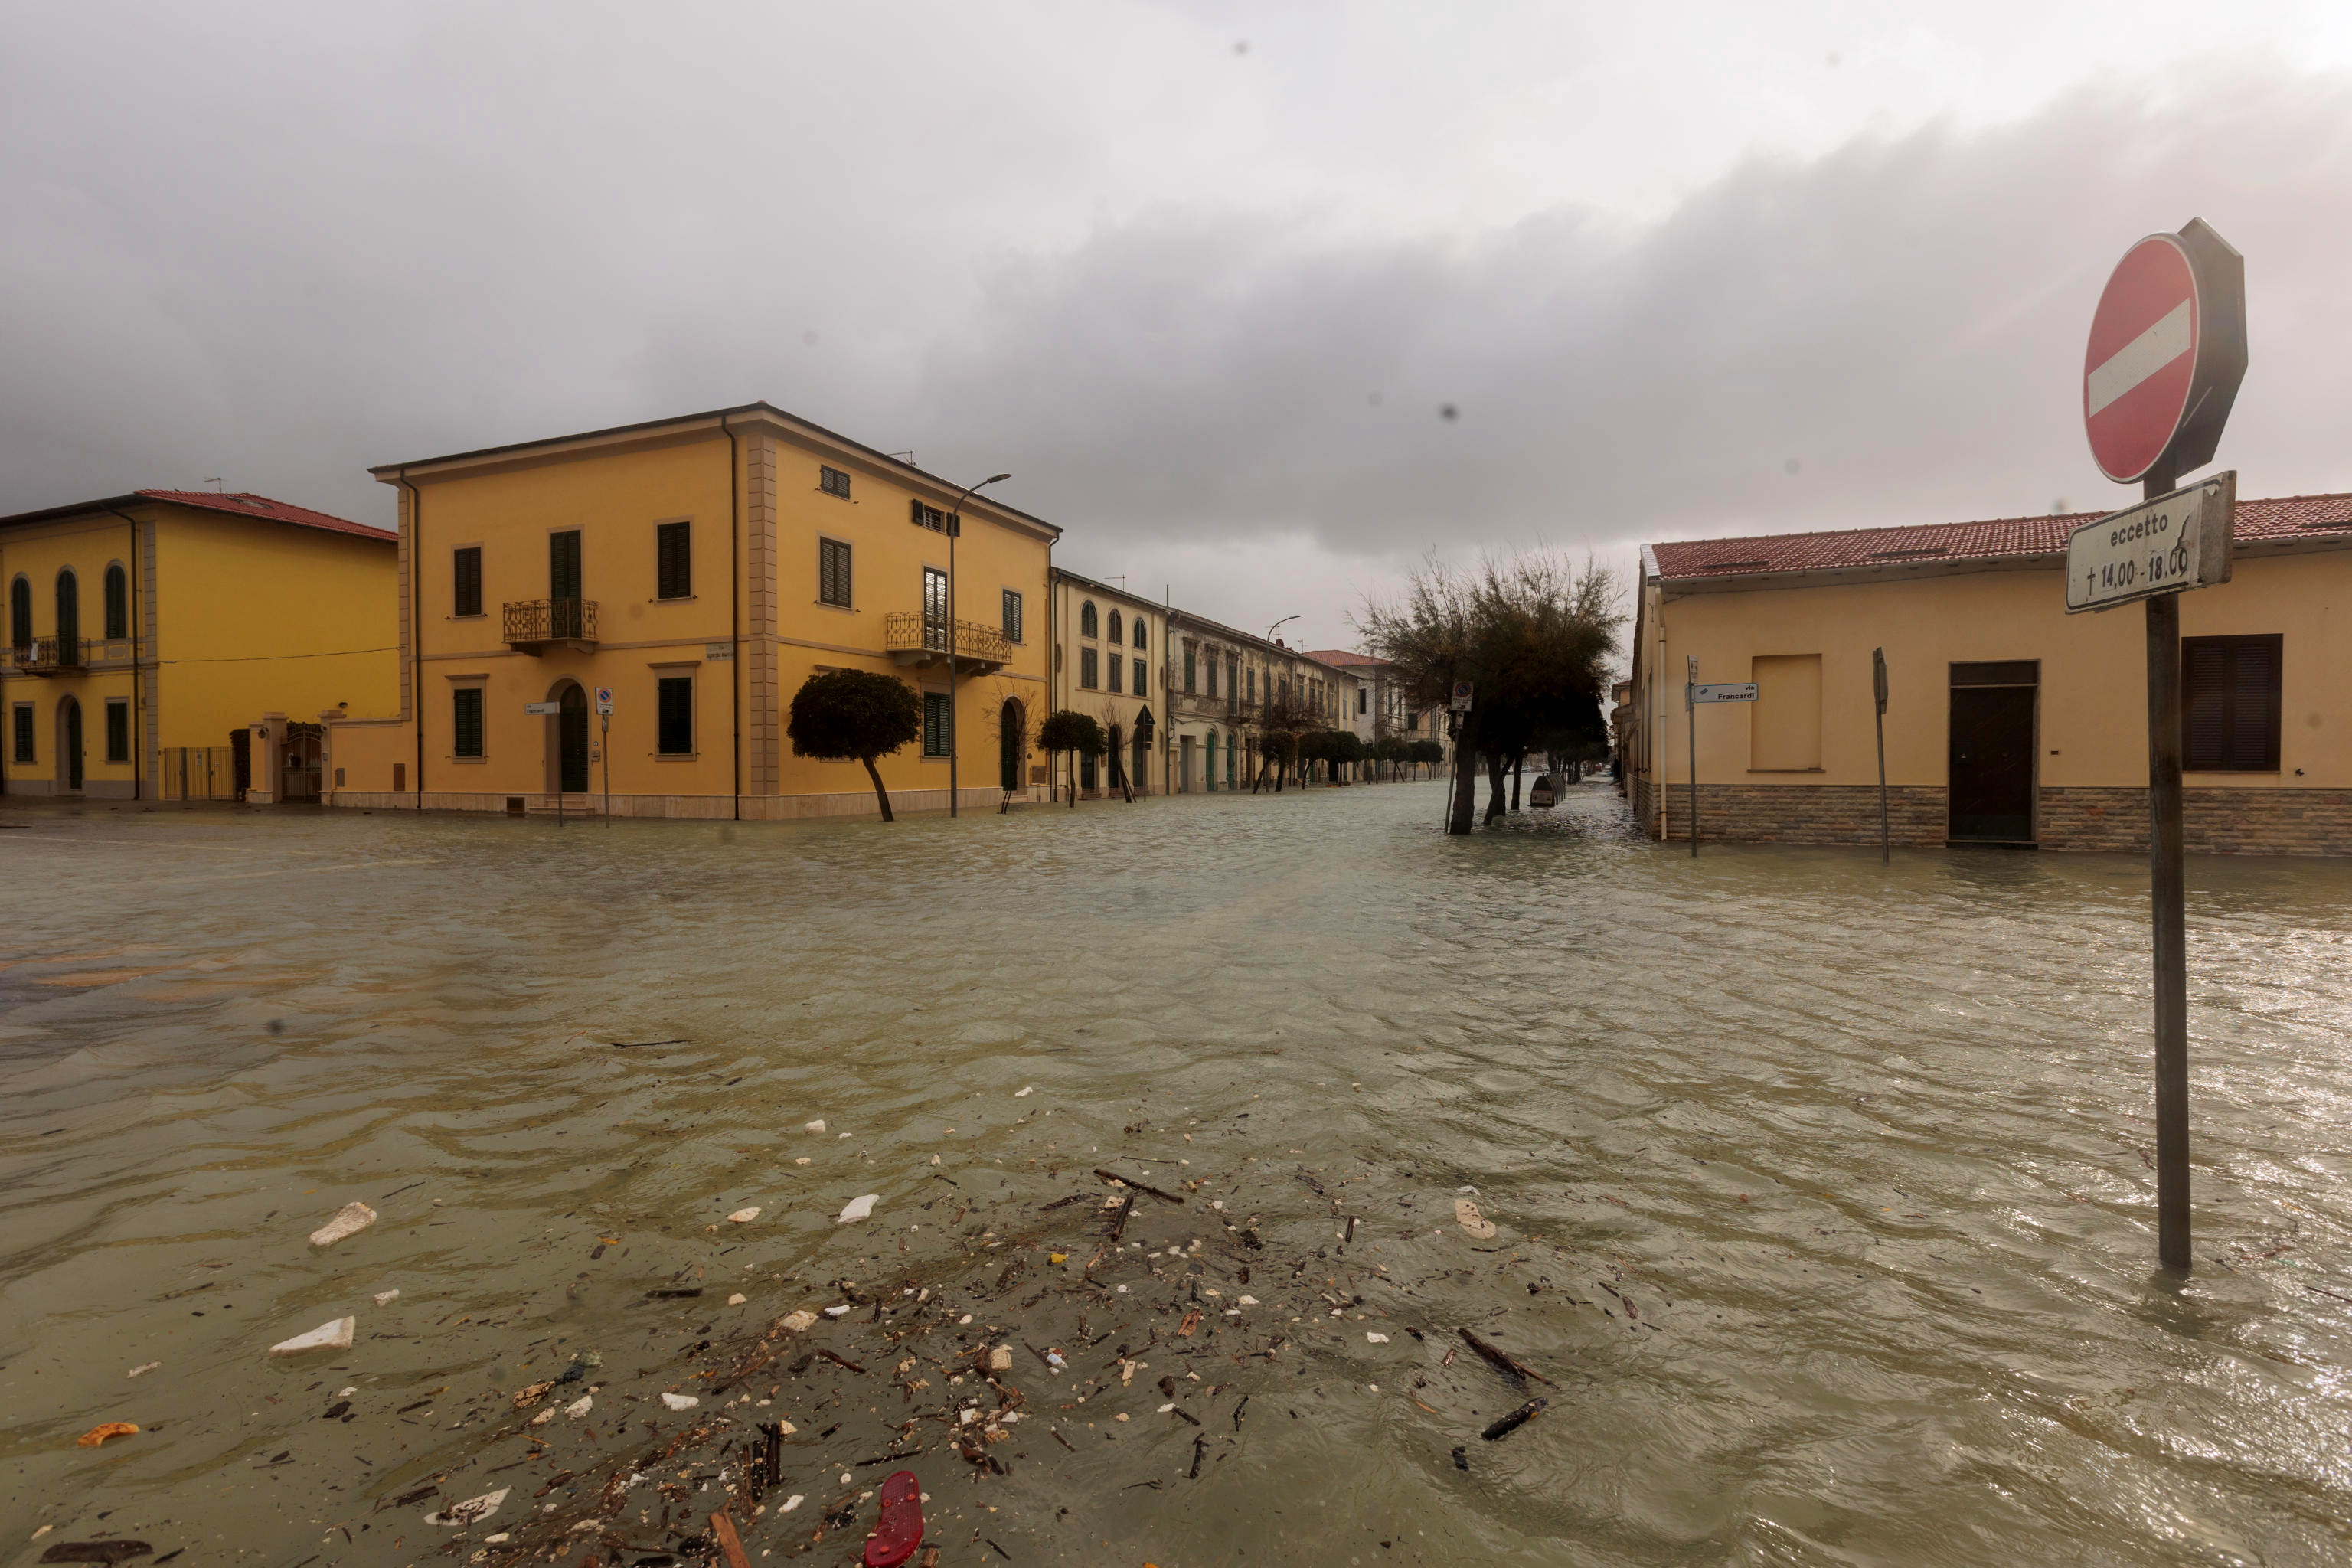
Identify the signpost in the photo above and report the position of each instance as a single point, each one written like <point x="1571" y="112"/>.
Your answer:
<point x="550" y="711"/>
<point x="2167" y="351"/>
<point x="1879" y="693"/>
<point x="1693" y="695"/>
<point x="604" y="744"/>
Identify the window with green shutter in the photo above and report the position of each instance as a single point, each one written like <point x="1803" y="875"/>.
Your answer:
<point x="118" y="730"/>
<point x="832" y="572"/>
<point x="2229" y="704"/>
<point x="674" y="561"/>
<point x="936" y="719"/>
<point x="1087" y="665"/>
<point x="675" y="708"/>
<point x="466" y="715"/>
<point x="466" y="581"/>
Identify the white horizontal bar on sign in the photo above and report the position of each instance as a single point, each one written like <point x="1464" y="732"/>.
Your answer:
<point x="2141" y="358"/>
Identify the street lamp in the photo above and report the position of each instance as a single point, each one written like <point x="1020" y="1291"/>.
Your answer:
<point x="955" y="532"/>
<point x="1284" y="622"/>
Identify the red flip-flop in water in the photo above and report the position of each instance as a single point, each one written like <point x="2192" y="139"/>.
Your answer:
<point x="900" y="1529"/>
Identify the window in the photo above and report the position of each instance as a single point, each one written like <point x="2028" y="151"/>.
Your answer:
<point x="1188" y="669"/>
<point x="1138" y="632"/>
<point x="1784" y="732"/>
<point x="2229" y="704"/>
<point x="69" y="613"/>
<point x="23" y="727"/>
<point x="1117" y="669"/>
<point x="563" y="572"/>
<point x="1011" y="616"/>
<point x="1363" y="700"/>
<point x="118" y="727"/>
<point x="832" y="572"/>
<point x="928" y="517"/>
<point x="1212" y="675"/>
<point x="936" y="719"/>
<point x="1142" y="687"/>
<point x="832" y="482"/>
<point x="20" y="614"/>
<point x="1088" y="626"/>
<point x="466" y="581"/>
<point x="466" y="719"/>
<point x="1253" y="683"/>
<point x="935" y="607"/>
<point x="118" y="604"/>
<point x="674" y="561"/>
<point x="1086" y="677"/>
<point x="1114" y="626"/>
<point x="675" y="707"/>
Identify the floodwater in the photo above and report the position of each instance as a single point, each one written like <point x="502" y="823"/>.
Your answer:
<point x="1823" y="1189"/>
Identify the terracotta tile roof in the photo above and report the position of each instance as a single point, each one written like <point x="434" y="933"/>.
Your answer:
<point x="2276" y="520"/>
<point x="1339" y="658"/>
<point x="240" y="504"/>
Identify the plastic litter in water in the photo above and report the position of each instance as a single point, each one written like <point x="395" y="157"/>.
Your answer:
<point x="579" y="1407"/>
<point x="1376" y="1339"/>
<point x="1477" y="1224"/>
<point x="681" y="1401"/>
<point x="737" y="1300"/>
<point x="798" y="1323"/>
<point x="790" y="1503"/>
<point x="144" y="1366"/>
<point x="900" y="1529"/>
<point x="96" y="1435"/>
<point x="858" y="1208"/>
<point x="384" y="1298"/>
<point x="334" y="1336"/>
<point x="1001" y="1359"/>
<point x="1024" y="1093"/>
<point x="744" y="1216"/>
<point x="816" y="1126"/>
<point x="349" y="1220"/>
<point x="471" y="1510"/>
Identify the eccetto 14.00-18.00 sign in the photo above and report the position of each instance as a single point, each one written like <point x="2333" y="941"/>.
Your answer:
<point x="2163" y="546"/>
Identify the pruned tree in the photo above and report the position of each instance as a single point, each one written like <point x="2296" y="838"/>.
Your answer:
<point x="1080" y="734"/>
<point x="853" y="715"/>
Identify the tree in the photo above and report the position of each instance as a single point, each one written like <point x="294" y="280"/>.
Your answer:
<point x="846" y="715"/>
<point x="1066" y="730"/>
<point x="1535" y="637"/>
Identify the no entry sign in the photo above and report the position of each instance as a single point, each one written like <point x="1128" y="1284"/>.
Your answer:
<point x="2167" y="351"/>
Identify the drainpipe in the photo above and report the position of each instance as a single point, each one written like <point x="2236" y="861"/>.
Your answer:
<point x="734" y="616"/>
<point x="138" y="698"/>
<point x="417" y="629"/>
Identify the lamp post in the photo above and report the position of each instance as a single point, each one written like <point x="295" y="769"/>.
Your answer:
<point x="1284" y="622"/>
<point x="955" y="532"/>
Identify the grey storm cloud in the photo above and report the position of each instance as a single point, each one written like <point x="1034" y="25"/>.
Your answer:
<point x="1892" y="332"/>
<point x="289" y="286"/>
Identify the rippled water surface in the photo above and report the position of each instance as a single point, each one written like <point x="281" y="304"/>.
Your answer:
<point x="1823" y="1189"/>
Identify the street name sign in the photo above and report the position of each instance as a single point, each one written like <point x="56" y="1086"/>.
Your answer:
<point x="2167" y="350"/>
<point x="2177" y="542"/>
<point x="1735" y="692"/>
<point x="542" y="709"/>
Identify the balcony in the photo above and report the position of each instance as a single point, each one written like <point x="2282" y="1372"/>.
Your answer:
<point x="534" y="626"/>
<point x="49" y="655"/>
<point x="918" y="640"/>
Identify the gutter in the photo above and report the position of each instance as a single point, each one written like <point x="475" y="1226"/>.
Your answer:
<point x="417" y="626"/>
<point x="734" y="614"/>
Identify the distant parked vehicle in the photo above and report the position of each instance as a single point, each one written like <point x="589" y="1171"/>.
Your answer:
<point x="1542" y="796"/>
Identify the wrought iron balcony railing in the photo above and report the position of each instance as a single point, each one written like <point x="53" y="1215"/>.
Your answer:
<point x="914" y="638"/>
<point x="49" y="655"/>
<point x="533" y="624"/>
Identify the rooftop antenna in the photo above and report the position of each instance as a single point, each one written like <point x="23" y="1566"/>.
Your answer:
<point x="214" y="482"/>
<point x="906" y="457"/>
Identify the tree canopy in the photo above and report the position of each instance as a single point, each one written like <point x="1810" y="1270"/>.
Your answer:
<point x="853" y="715"/>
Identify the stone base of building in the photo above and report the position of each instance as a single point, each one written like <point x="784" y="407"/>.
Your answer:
<point x="2098" y="820"/>
<point x="689" y="808"/>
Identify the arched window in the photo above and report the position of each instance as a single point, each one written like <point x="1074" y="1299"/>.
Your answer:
<point x="1139" y="631"/>
<point x="20" y="614"/>
<point x="1113" y="626"/>
<point x="69" y="610"/>
<point x="1087" y="625"/>
<point x="117" y="601"/>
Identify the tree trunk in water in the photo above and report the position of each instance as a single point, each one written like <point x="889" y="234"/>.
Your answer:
<point x="1466" y="786"/>
<point x="1519" y="764"/>
<point x="879" y="793"/>
<point x="1495" y="790"/>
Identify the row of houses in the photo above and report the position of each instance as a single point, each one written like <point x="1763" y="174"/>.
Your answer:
<point x="617" y="620"/>
<point x="2009" y="723"/>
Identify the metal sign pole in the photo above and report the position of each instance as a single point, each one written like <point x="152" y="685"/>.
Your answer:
<point x="2167" y="878"/>
<point x="1690" y="705"/>
<point x="605" y="743"/>
<point x="1878" y="691"/>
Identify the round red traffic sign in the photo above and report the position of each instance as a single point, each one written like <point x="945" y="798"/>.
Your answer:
<point x="2142" y="357"/>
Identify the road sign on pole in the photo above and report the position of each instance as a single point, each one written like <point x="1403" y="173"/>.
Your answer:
<point x="604" y="701"/>
<point x="2167" y="351"/>
<point x="1736" y="691"/>
<point x="1462" y="693"/>
<point x="1878" y="694"/>
<point x="542" y="709"/>
<point x="1690" y="707"/>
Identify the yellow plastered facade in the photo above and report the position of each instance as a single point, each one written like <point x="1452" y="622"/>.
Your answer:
<point x="749" y="488"/>
<point x="229" y="619"/>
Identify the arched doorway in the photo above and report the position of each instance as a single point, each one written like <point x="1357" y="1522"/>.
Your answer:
<point x="567" y="740"/>
<point x="1011" y="744"/>
<point x="68" y="775"/>
<point x="1212" y="769"/>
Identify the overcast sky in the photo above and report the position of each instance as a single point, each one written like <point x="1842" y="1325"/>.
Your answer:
<point x="1206" y="277"/>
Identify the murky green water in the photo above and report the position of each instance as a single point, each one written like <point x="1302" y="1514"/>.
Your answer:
<point x="1823" y="1190"/>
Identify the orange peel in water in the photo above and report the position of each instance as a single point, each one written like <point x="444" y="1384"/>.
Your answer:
<point x="96" y="1435"/>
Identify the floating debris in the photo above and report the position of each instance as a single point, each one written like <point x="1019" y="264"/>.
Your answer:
<point x="816" y="1126"/>
<point x="473" y="1509"/>
<point x="900" y="1529"/>
<point x="334" y="1336"/>
<point x="681" y="1401"/>
<point x="142" y="1367"/>
<point x="384" y="1297"/>
<point x="744" y="1216"/>
<point x="1514" y="1420"/>
<point x="798" y="1323"/>
<point x="96" y="1435"/>
<point x="349" y="1220"/>
<point x="858" y="1208"/>
<point x="95" y="1551"/>
<point x="1477" y="1225"/>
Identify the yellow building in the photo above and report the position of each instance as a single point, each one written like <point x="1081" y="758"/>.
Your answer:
<point x="698" y="569"/>
<point x="1110" y="662"/>
<point x="150" y="634"/>
<point x="2009" y="722"/>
